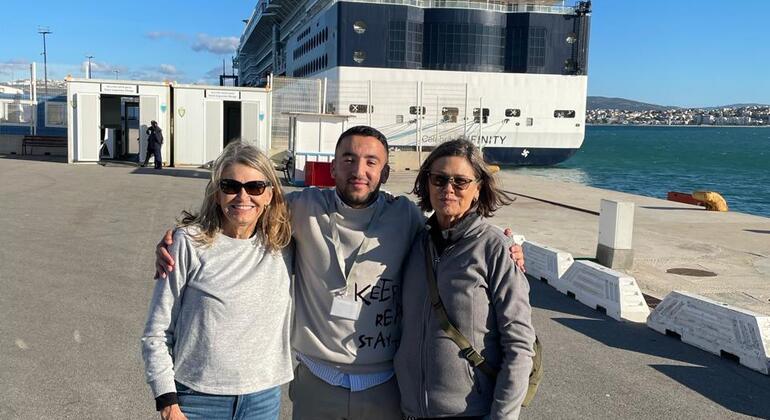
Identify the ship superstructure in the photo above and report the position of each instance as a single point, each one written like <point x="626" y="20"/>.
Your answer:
<point x="511" y="75"/>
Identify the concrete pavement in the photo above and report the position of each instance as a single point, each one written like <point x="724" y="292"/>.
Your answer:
<point x="76" y="252"/>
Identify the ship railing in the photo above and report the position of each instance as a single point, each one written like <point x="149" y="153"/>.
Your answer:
<point x="491" y="5"/>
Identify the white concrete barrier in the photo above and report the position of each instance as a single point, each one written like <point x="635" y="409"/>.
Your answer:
<point x="715" y="327"/>
<point x="601" y="288"/>
<point x="546" y="263"/>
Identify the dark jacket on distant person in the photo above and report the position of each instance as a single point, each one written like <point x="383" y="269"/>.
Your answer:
<point x="155" y="134"/>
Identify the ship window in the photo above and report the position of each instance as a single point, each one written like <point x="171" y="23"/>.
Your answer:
<point x="399" y="119"/>
<point x="359" y="26"/>
<point x="530" y="121"/>
<point x="564" y="113"/>
<point x="396" y="43"/>
<point x="413" y="110"/>
<point x="512" y="112"/>
<point x="359" y="56"/>
<point x="360" y="108"/>
<point x="484" y="115"/>
<point x="450" y="114"/>
<point x="536" y="50"/>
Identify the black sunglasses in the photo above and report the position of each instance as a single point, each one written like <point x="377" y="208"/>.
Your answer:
<point x="458" y="182"/>
<point x="231" y="186"/>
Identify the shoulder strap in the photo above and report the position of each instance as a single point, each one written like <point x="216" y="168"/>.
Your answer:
<point x="469" y="353"/>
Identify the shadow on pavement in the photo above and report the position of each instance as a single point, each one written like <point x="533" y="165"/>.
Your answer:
<point x="745" y="391"/>
<point x="728" y="384"/>
<point x="175" y="172"/>
<point x="766" y="232"/>
<point x="36" y="158"/>
<point x="543" y="296"/>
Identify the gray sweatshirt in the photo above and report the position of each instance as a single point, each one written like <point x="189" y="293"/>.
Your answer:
<point x="220" y="324"/>
<point x="487" y="299"/>
<point x="367" y="344"/>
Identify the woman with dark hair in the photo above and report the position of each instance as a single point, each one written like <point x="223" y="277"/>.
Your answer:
<point x="467" y="345"/>
<point x="216" y="342"/>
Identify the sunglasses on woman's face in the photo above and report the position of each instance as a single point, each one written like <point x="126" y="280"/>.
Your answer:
<point x="458" y="182"/>
<point x="231" y="186"/>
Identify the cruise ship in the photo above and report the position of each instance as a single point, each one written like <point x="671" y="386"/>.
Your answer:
<point x="510" y="75"/>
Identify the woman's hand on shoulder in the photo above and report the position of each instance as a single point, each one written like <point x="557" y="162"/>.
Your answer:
<point x="172" y="412"/>
<point x="164" y="262"/>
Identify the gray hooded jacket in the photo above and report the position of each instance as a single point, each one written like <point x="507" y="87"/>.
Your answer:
<point x="487" y="299"/>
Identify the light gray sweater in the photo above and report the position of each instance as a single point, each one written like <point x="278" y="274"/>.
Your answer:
<point x="220" y="324"/>
<point x="366" y="345"/>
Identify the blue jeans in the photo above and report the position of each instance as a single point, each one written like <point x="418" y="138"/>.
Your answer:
<point x="263" y="405"/>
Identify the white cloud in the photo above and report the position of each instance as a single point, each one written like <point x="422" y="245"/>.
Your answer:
<point x="13" y="67"/>
<point x="102" y="67"/>
<point x="215" y="44"/>
<point x="166" y="34"/>
<point x="214" y="73"/>
<point x="168" y="69"/>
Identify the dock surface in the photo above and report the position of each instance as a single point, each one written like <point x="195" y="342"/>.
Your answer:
<point x="77" y="247"/>
<point x="734" y="247"/>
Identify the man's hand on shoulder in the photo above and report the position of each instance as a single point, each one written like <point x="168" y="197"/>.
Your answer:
<point x="164" y="262"/>
<point x="517" y="252"/>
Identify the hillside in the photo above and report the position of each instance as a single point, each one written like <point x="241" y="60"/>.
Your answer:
<point x="603" y="102"/>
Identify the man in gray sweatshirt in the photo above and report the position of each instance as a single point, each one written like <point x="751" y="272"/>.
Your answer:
<point x="350" y="244"/>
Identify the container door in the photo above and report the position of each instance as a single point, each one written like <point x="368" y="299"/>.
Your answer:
<point x="87" y="134"/>
<point x="214" y="129"/>
<point x="250" y="123"/>
<point x="148" y="111"/>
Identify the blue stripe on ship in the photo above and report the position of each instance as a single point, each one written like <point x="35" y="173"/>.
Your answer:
<point x="526" y="156"/>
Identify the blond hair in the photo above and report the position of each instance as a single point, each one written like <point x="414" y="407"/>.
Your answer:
<point x="273" y="226"/>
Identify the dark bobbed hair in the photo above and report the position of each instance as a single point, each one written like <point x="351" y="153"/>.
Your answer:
<point x="491" y="197"/>
<point x="363" y="130"/>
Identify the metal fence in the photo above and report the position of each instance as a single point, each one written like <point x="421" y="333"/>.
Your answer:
<point x="291" y="95"/>
<point x="410" y="114"/>
<point x="24" y="108"/>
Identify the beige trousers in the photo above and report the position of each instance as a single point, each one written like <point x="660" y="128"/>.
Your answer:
<point x="315" y="399"/>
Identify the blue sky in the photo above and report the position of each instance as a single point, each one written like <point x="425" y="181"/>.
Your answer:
<point x="670" y="52"/>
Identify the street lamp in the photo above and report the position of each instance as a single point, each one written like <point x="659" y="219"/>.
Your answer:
<point x="44" y="30"/>
<point x="116" y="71"/>
<point x="89" y="57"/>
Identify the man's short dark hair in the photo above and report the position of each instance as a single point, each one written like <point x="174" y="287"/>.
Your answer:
<point x="363" y="130"/>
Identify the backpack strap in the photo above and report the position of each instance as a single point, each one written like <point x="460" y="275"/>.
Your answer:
<point x="468" y="352"/>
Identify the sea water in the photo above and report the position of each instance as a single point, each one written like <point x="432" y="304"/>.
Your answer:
<point x="651" y="161"/>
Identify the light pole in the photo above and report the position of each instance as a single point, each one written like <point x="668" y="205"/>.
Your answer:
<point x="89" y="57"/>
<point x="44" y="30"/>
<point x="116" y="71"/>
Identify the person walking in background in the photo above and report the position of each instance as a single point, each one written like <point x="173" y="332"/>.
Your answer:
<point x="216" y="341"/>
<point x="154" y="143"/>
